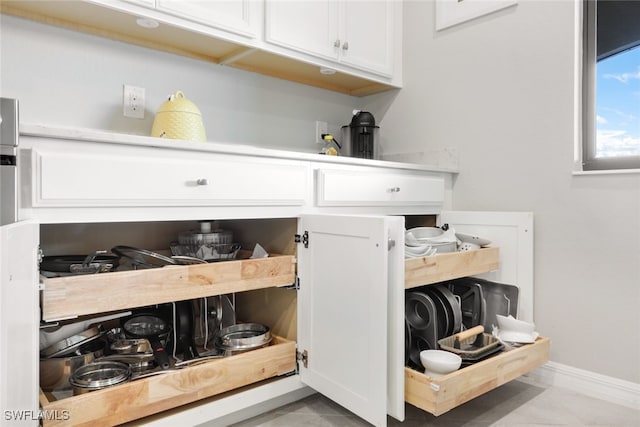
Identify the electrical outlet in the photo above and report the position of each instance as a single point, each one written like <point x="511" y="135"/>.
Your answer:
<point x="321" y="128"/>
<point x="133" y="102"/>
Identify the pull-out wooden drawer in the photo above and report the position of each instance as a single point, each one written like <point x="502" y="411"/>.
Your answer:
<point x="448" y="266"/>
<point x="146" y="396"/>
<point x="439" y="395"/>
<point x="73" y="296"/>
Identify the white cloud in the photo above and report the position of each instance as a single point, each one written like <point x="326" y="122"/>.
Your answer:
<point x="601" y="120"/>
<point x="616" y="143"/>
<point x="624" y="77"/>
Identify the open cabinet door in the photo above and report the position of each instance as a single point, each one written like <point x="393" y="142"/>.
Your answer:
<point x="342" y="309"/>
<point x="512" y="232"/>
<point x="19" y="319"/>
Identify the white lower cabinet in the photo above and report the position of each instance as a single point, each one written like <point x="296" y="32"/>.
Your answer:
<point x="332" y="292"/>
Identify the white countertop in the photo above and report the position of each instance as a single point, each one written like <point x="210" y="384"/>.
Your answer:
<point x="94" y="135"/>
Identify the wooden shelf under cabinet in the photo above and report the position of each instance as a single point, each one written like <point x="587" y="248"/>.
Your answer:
<point x="73" y="296"/>
<point x="448" y="266"/>
<point x="439" y="395"/>
<point x="139" y="398"/>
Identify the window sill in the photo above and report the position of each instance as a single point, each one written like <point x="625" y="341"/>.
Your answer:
<point x="607" y="172"/>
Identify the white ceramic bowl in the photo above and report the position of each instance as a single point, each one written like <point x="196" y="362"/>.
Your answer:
<point x="426" y="232"/>
<point x="511" y="324"/>
<point x="439" y="362"/>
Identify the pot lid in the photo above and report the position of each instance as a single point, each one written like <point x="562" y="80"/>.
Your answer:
<point x="97" y="375"/>
<point x="179" y="103"/>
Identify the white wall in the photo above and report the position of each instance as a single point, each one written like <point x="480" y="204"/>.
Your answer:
<point x="66" y="78"/>
<point x="499" y="89"/>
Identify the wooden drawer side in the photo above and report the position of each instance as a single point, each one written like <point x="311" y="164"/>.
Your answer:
<point x="448" y="266"/>
<point x="439" y="395"/>
<point x="140" y="398"/>
<point x="72" y="296"/>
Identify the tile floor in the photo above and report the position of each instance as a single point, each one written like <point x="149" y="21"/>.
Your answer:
<point x="522" y="402"/>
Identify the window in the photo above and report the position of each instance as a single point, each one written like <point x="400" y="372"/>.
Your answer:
<point x="611" y="84"/>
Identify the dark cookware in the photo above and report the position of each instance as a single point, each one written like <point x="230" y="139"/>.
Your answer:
<point x="443" y="321"/>
<point x="95" y="262"/>
<point x="182" y="338"/>
<point x="454" y="307"/>
<point x="418" y="344"/>
<point x="420" y="317"/>
<point x="153" y="327"/>
<point x="471" y="301"/>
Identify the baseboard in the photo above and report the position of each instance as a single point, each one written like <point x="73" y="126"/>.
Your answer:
<point x="614" y="390"/>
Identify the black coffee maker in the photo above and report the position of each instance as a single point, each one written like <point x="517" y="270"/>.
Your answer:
<point x="360" y="137"/>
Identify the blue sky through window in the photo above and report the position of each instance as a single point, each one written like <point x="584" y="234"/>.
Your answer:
<point x="618" y="104"/>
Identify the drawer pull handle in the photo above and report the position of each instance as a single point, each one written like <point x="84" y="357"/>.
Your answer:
<point x="394" y="190"/>
<point x="202" y="181"/>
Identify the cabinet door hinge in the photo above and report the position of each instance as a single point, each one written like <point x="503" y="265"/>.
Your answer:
<point x="303" y="357"/>
<point x="304" y="239"/>
<point x="295" y="285"/>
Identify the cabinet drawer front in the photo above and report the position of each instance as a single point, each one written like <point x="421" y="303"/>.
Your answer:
<point x="354" y="188"/>
<point x="439" y="395"/>
<point x="152" y="178"/>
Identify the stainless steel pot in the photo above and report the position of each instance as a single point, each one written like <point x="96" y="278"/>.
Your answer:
<point x="243" y="337"/>
<point x="56" y="371"/>
<point x="69" y="345"/>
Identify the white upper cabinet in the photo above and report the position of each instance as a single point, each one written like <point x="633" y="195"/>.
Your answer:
<point x="238" y="16"/>
<point x="358" y="34"/>
<point x="366" y="31"/>
<point x="307" y="26"/>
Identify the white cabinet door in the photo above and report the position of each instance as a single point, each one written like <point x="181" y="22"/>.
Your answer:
<point x="355" y="33"/>
<point x="512" y="232"/>
<point x="238" y="16"/>
<point x="366" y="30"/>
<point x="19" y="320"/>
<point x="343" y="309"/>
<point x="307" y="26"/>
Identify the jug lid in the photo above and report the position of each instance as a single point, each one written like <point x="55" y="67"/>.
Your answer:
<point x="179" y="103"/>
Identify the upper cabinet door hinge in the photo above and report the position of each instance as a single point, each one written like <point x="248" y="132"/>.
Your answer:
<point x="304" y="239"/>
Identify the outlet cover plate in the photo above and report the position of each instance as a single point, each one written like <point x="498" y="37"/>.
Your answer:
<point x="133" y="102"/>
